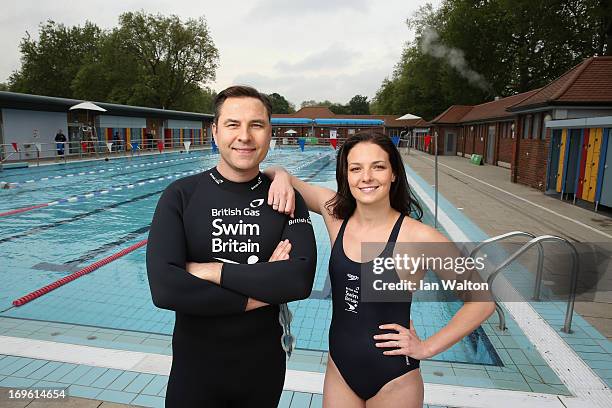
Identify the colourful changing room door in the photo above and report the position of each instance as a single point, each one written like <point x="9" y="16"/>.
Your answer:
<point x="553" y="170"/>
<point x="604" y="188"/>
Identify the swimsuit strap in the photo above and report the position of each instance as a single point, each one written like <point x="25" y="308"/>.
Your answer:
<point x="388" y="251"/>
<point x="341" y="230"/>
<point x="396" y="228"/>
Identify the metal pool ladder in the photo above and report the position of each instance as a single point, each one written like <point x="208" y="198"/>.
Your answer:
<point x="538" y="281"/>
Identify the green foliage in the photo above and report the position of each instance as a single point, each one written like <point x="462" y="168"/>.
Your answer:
<point x="339" y="109"/>
<point x="312" y="102"/>
<point x="3" y="86"/>
<point x="49" y="64"/>
<point x="280" y="104"/>
<point x="147" y="60"/>
<point x="467" y="52"/>
<point x="359" y="105"/>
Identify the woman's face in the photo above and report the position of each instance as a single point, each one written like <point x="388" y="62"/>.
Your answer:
<point x="369" y="173"/>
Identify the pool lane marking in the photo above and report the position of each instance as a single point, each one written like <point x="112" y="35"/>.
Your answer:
<point x="575" y="374"/>
<point x="541" y="207"/>
<point x="82" y="197"/>
<point x="295" y="380"/>
<point x="77" y="217"/>
<point x="18" y="183"/>
<point x="85" y="164"/>
<point x="81" y="272"/>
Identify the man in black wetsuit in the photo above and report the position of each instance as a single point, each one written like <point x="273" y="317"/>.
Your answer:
<point x="207" y="259"/>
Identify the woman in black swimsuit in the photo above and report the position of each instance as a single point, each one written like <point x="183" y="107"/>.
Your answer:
<point x="374" y="350"/>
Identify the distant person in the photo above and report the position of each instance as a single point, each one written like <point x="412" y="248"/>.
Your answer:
<point x="117" y="141"/>
<point x="60" y="140"/>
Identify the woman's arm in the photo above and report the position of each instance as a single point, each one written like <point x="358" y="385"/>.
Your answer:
<point x="466" y="320"/>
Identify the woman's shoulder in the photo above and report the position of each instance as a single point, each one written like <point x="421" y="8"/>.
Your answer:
<point x="416" y="231"/>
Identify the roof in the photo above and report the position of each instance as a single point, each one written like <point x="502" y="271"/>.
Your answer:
<point x="588" y="83"/>
<point x="349" y="122"/>
<point x="453" y="114"/>
<point x="14" y="100"/>
<point x="290" y="121"/>
<point x="495" y="109"/>
<point x="311" y="112"/>
<point x="321" y="112"/>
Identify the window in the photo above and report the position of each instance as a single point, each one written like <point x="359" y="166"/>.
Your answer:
<point x="526" y="126"/>
<point x="536" y="126"/>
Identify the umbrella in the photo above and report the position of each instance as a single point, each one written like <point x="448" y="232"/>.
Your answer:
<point x="290" y="132"/>
<point x="408" y="116"/>
<point x="88" y="106"/>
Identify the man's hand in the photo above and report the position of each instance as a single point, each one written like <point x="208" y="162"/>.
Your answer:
<point x="281" y="253"/>
<point x="281" y="195"/>
<point x="209" y="271"/>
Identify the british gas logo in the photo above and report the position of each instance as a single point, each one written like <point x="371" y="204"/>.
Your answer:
<point x="257" y="202"/>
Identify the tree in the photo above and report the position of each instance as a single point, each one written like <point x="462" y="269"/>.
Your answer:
<point x="467" y="52"/>
<point x="339" y="109"/>
<point x="148" y="60"/>
<point x="280" y="104"/>
<point x="312" y="102"/>
<point x="49" y="65"/>
<point x="3" y="86"/>
<point x="359" y="105"/>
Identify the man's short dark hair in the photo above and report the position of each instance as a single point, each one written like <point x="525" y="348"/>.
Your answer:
<point x="241" y="91"/>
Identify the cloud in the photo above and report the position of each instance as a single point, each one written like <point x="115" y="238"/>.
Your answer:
<point x="335" y="56"/>
<point x="296" y="88"/>
<point x="267" y="9"/>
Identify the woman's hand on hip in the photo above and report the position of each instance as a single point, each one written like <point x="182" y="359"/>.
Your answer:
<point x="405" y="342"/>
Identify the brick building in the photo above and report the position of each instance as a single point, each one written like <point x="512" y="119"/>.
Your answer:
<point x="554" y="138"/>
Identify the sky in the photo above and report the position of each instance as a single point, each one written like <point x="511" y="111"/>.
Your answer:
<point x="301" y="49"/>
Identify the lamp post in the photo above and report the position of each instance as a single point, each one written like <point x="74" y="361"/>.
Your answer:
<point x="436" y="179"/>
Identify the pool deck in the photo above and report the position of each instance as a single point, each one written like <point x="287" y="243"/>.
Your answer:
<point x="485" y="195"/>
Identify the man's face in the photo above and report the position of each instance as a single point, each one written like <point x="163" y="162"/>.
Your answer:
<point x="242" y="134"/>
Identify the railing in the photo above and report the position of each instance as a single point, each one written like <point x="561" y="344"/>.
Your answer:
<point x="31" y="151"/>
<point x="538" y="280"/>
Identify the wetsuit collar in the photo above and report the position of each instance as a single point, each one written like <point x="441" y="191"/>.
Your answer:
<point x="226" y="184"/>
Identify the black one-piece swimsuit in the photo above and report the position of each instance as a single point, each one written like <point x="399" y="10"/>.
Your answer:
<point x="363" y="366"/>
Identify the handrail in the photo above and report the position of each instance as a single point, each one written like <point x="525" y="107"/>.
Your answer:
<point x="498" y="309"/>
<point x="574" y="274"/>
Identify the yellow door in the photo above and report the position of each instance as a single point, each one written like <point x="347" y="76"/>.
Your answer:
<point x="561" y="160"/>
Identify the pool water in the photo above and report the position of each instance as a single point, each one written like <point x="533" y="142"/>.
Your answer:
<point x="100" y="207"/>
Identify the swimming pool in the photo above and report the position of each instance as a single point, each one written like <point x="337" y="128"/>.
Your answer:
<point x="75" y="214"/>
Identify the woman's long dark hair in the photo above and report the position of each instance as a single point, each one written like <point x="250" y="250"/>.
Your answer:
<point x="401" y="197"/>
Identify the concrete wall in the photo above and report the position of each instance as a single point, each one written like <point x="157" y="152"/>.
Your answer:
<point x="183" y="124"/>
<point x="20" y="126"/>
<point x="108" y="121"/>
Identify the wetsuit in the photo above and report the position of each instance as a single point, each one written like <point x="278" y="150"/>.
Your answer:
<point x="222" y="355"/>
<point x="363" y="366"/>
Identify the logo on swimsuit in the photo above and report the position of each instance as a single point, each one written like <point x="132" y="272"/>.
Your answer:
<point x="352" y="277"/>
<point x="257" y="202"/>
<point x="218" y="181"/>
<point x="259" y="181"/>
